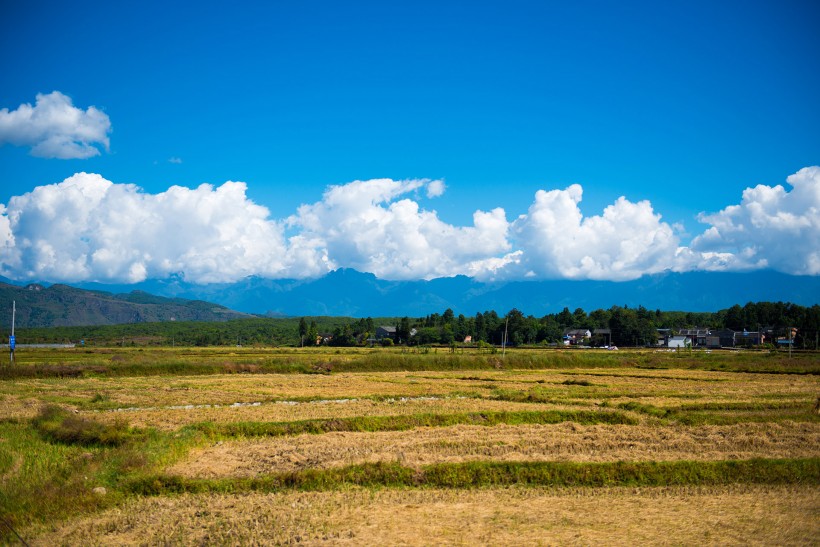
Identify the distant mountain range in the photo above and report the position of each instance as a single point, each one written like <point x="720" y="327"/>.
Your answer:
<point x="346" y="292"/>
<point x="61" y="305"/>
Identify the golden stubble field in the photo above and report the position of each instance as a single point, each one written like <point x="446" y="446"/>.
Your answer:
<point x="560" y="442"/>
<point x="674" y="415"/>
<point x="168" y="402"/>
<point x="733" y="515"/>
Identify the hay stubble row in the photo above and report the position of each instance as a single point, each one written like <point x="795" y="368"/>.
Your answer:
<point x="728" y="515"/>
<point x="559" y="442"/>
<point x="768" y="417"/>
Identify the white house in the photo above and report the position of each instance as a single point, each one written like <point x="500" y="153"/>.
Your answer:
<point x="680" y="342"/>
<point x="573" y="337"/>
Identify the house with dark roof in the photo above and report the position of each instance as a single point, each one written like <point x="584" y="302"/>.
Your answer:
<point x="749" y="338"/>
<point x="386" y="332"/>
<point x="723" y="338"/>
<point x="662" y="337"/>
<point x="576" y="337"/>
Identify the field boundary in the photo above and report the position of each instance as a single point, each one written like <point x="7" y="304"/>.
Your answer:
<point x="405" y="422"/>
<point x="492" y="474"/>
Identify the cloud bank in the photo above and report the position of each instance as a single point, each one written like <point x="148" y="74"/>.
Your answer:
<point x="88" y="228"/>
<point x="771" y="227"/>
<point x="364" y="225"/>
<point x="55" y="128"/>
<point x="625" y="242"/>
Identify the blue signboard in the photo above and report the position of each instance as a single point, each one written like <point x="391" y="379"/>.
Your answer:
<point x="12" y="342"/>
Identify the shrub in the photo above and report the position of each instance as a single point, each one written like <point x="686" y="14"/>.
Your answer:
<point x="577" y="383"/>
<point x="59" y="425"/>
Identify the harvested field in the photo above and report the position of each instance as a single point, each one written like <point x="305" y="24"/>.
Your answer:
<point x="561" y="442"/>
<point x="733" y="515"/>
<point x="153" y="447"/>
<point x="172" y="418"/>
<point x="155" y="401"/>
<point x="160" y="391"/>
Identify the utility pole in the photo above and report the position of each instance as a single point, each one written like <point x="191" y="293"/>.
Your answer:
<point x="12" y="339"/>
<point x="790" y="343"/>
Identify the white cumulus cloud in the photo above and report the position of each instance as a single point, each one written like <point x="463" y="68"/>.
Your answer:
<point x="363" y="225"/>
<point x="88" y="228"/>
<point x="772" y="227"/>
<point x="55" y="128"/>
<point x="435" y="188"/>
<point x="557" y="241"/>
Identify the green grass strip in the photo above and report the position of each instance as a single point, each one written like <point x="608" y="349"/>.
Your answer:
<point x="402" y="423"/>
<point x="495" y="474"/>
<point x="124" y="362"/>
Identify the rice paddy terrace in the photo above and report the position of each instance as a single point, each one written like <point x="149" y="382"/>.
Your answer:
<point x="120" y="446"/>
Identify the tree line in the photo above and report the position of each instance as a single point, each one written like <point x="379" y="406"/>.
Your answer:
<point x="629" y="327"/>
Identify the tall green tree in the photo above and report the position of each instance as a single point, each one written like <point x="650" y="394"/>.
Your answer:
<point x="565" y="318"/>
<point x="312" y="334"/>
<point x="480" y="327"/>
<point x="303" y="329"/>
<point x="514" y="324"/>
<point x="579" y="318"/>
<point x="403" y="330"/>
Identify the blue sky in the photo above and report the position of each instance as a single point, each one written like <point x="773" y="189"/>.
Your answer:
<point x="683" y="104"/>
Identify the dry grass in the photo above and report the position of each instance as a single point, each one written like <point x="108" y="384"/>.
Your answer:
<point x="739" y="514"/>
<point x="561" y="442"/>
<point x="653" y="387"/>
<point x="150" y="398"/>
<point x="172" y="419"/>
<point x="21" y="408"/>
<point x="734" y="515"/>
<point x="227" y="389"/>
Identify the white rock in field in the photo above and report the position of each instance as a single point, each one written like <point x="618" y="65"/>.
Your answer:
<point x="99" y="490"/>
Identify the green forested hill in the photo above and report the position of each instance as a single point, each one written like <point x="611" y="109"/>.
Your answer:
<point x="266" y="331"/>
<point x="61" y="305"/>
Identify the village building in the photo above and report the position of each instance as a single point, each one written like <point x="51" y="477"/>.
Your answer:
<point x="679" y="341"/>
<point x="697" y="336"/>
<point x="576" y="337"/>
<point x="386" y="332"/>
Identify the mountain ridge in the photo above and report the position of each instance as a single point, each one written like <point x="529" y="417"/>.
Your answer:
<point x="61" y="305"/>
<point x="356" y="294"/>
<point x="347" y="292"/>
